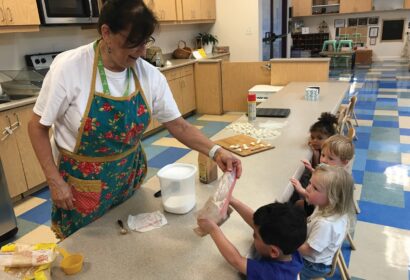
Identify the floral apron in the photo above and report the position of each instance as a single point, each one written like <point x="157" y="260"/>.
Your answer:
<point x="108" y="163"/>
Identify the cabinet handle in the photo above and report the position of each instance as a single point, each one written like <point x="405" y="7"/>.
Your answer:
<point x="17" y="123"/>
<point x="267" y="66"/>
<point x="10" y="15"/>
<point x="2" y="15"/>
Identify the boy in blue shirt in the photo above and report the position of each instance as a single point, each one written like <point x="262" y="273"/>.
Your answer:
<point x="279" y="230"/>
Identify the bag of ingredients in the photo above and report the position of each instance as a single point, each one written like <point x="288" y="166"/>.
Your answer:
<point x="28" y="261"/>
<point x="217" y="206"/>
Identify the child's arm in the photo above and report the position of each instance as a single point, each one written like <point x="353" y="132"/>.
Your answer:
<point x="298" y="187"/>
<point x="228" y="251"/>
<point x="308" y="165"/>
<point x="244" y="210"/>
<point x="305" y="249"/>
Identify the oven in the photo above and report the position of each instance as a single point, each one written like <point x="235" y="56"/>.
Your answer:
<point x="68" y="11"/>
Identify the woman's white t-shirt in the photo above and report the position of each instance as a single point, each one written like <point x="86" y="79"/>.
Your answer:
<point x="66" y="88"/>
<point x="325" y="235"/>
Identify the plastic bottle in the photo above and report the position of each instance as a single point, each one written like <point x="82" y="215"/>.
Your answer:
<point x="251" y="107"/>
<point x="158" y="59"/>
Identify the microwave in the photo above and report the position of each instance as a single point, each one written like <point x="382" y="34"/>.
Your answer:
<point x="68" y="11"/>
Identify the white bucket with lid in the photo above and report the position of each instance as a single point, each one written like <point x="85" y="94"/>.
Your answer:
<point x="178" y="187"/>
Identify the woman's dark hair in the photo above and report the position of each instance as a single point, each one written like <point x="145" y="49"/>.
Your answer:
<point x="282" y="225"/>
<point x="326" y="124"/>
<point x="120" y="15"/>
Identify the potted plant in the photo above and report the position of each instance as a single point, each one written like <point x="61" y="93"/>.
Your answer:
<point x="207" y="41"/>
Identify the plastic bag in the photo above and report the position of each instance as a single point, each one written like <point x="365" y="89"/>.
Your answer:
<point x="217" y="206"/>
<point x="28" y="261"/>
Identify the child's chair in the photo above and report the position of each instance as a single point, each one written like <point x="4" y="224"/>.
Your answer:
<point x="338" y="262"/>
<point x="329" y="43"/>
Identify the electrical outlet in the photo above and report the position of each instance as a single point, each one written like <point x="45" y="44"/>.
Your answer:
<point x="248" y="31"/>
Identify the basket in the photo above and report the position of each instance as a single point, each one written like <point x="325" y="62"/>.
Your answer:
<point x="182" y="52"/>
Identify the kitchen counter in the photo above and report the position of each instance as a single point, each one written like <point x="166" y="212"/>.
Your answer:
<point x="170" y="64"/>
<point x="175" y="251"/>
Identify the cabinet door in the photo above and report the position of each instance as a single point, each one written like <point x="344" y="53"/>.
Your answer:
<point x="188" y="94"/>
<point x="407" y="4"/>
<point x="302" y="8"/>
<point x="353" y="6"/>
<point x="165" y="10"/>
<point x="32" y="169"/>
<point x="191" y="9"/>
<point x="208" y="87"/>
<point x="175" y="87"/>
<point x="10" y="157"/>
<point x="208" y="9"/>
<point x="22" y="12"/>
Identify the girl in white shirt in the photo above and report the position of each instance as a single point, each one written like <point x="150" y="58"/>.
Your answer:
<point x="331" y="191"/>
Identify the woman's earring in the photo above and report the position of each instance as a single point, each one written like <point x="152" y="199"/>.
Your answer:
<point x="109" y="50"/>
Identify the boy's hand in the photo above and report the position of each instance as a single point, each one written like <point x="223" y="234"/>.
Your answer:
<point x="308" y="165"/>
<point x="207" y="225"/>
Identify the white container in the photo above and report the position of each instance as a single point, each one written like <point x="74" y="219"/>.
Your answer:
<point x="178" y="187"/>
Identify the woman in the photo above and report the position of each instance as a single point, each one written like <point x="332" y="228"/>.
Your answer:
<point x="99" y="98"/>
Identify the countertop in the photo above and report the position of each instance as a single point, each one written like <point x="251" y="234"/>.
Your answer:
<point x="170" y="64"/>
<point x="303" y="59"/>
<point x="174" y="251"/>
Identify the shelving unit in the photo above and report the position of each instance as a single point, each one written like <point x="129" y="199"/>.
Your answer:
<point x="325" y="7"/>
<point x="308" y="42"/>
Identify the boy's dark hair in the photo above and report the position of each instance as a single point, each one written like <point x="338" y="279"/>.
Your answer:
<point x="134" y="14"/>
<point x="282" y="225"/>
<point x="326" y="124"/>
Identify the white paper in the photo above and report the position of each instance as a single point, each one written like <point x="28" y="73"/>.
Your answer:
<point x="146" y="221"/>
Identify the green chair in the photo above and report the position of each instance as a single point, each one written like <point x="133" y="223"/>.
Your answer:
<point x="329" y="43"/>
<point x="344" y="37"/>
<point x="345" y="43"/>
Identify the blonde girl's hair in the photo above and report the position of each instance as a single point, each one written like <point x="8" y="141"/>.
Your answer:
<point x="340" y="146"/>
<point x="339" y="189"/>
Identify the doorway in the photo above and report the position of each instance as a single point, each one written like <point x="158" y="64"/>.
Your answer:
<point x="274" y="28"/>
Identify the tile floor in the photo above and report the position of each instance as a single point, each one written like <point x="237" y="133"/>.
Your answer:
<point x="381" y="171"/>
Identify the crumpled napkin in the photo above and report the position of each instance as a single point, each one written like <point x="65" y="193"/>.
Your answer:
<point x="146" y="221"/>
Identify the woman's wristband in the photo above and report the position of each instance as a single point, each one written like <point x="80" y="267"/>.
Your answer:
<point x="213" y="150"/>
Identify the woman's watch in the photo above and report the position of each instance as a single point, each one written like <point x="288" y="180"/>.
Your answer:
<point x="212" y="151"/>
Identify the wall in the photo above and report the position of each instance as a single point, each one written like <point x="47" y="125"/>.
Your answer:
<point x="382" y="50"/>
<point x="13" y="46"/>
<point x="238" y="26"/>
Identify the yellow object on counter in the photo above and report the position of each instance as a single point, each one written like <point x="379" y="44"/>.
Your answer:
<point x="71" y="263"/>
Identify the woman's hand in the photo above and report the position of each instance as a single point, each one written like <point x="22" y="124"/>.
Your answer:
<point x="207" y="225"/>
<point x="61" y="194"/>
<point x="308" y="165"/>
<point x="227" y="161"/>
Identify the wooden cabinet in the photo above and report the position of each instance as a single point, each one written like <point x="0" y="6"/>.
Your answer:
<point x="191" y="9"/>
<point x="165" y="10"/>
<point x="182" y="85"/>
<point x="353" y="6"/>
<point x="21" y="167"/>
<point x="208" y="83"/>
<point x="19" y="16"/>
<point x="302" y="8"/>
<point x="407" y="4"/>
<point x="208" y="9"/>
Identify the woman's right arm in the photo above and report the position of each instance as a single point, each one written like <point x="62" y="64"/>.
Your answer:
<point x="60" y="191"/>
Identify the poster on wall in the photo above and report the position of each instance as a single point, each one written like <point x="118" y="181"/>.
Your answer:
<point x="362" y="21"/>
<point x="373" y="41"/>
<point x="339" y="23"/>
<point x="352" y="22"/>
<point x="373" y="21"/>
<point x="374" y="32"/>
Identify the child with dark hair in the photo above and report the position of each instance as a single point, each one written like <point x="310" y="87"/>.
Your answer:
<point x="279" y="230"/>
<point x="325" y="127"/>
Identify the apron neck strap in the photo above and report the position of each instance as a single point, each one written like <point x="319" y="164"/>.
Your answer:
<point x="103" y="76"/>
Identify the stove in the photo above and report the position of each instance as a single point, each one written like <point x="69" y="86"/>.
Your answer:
<point x="40" y="62"/>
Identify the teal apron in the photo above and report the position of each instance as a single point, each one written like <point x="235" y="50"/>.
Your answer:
<point x="108" y="163"/>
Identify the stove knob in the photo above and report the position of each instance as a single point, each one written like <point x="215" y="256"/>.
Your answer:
<point x="37" y="61"/>
<point x="43" y="60"/>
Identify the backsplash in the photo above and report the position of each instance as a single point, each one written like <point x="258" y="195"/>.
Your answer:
<point x="13" y="46"/>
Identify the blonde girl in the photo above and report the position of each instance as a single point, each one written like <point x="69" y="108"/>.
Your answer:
<point x="331" y="192"/>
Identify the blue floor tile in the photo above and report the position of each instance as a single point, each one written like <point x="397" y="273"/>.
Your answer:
<point x="39" y="215"/>
<point x="360" y="158"/>
<point x="358" y="176"/>
<point x="405" y="131"/>
<point x="392" y="147"/>
<point x="170" y="155"/>
<point x="363" y="140"/>
<point x="386" y="124"/>
<point x="405" y="148"/>
<point x="43" y="193"/>
<point x="379" y="166"/>
<point x="378" y="189"/>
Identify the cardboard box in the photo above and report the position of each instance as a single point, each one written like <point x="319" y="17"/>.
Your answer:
<point x="208" y="169"/>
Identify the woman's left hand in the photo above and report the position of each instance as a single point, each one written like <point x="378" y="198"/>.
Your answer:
<point x="227" y="161"/>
